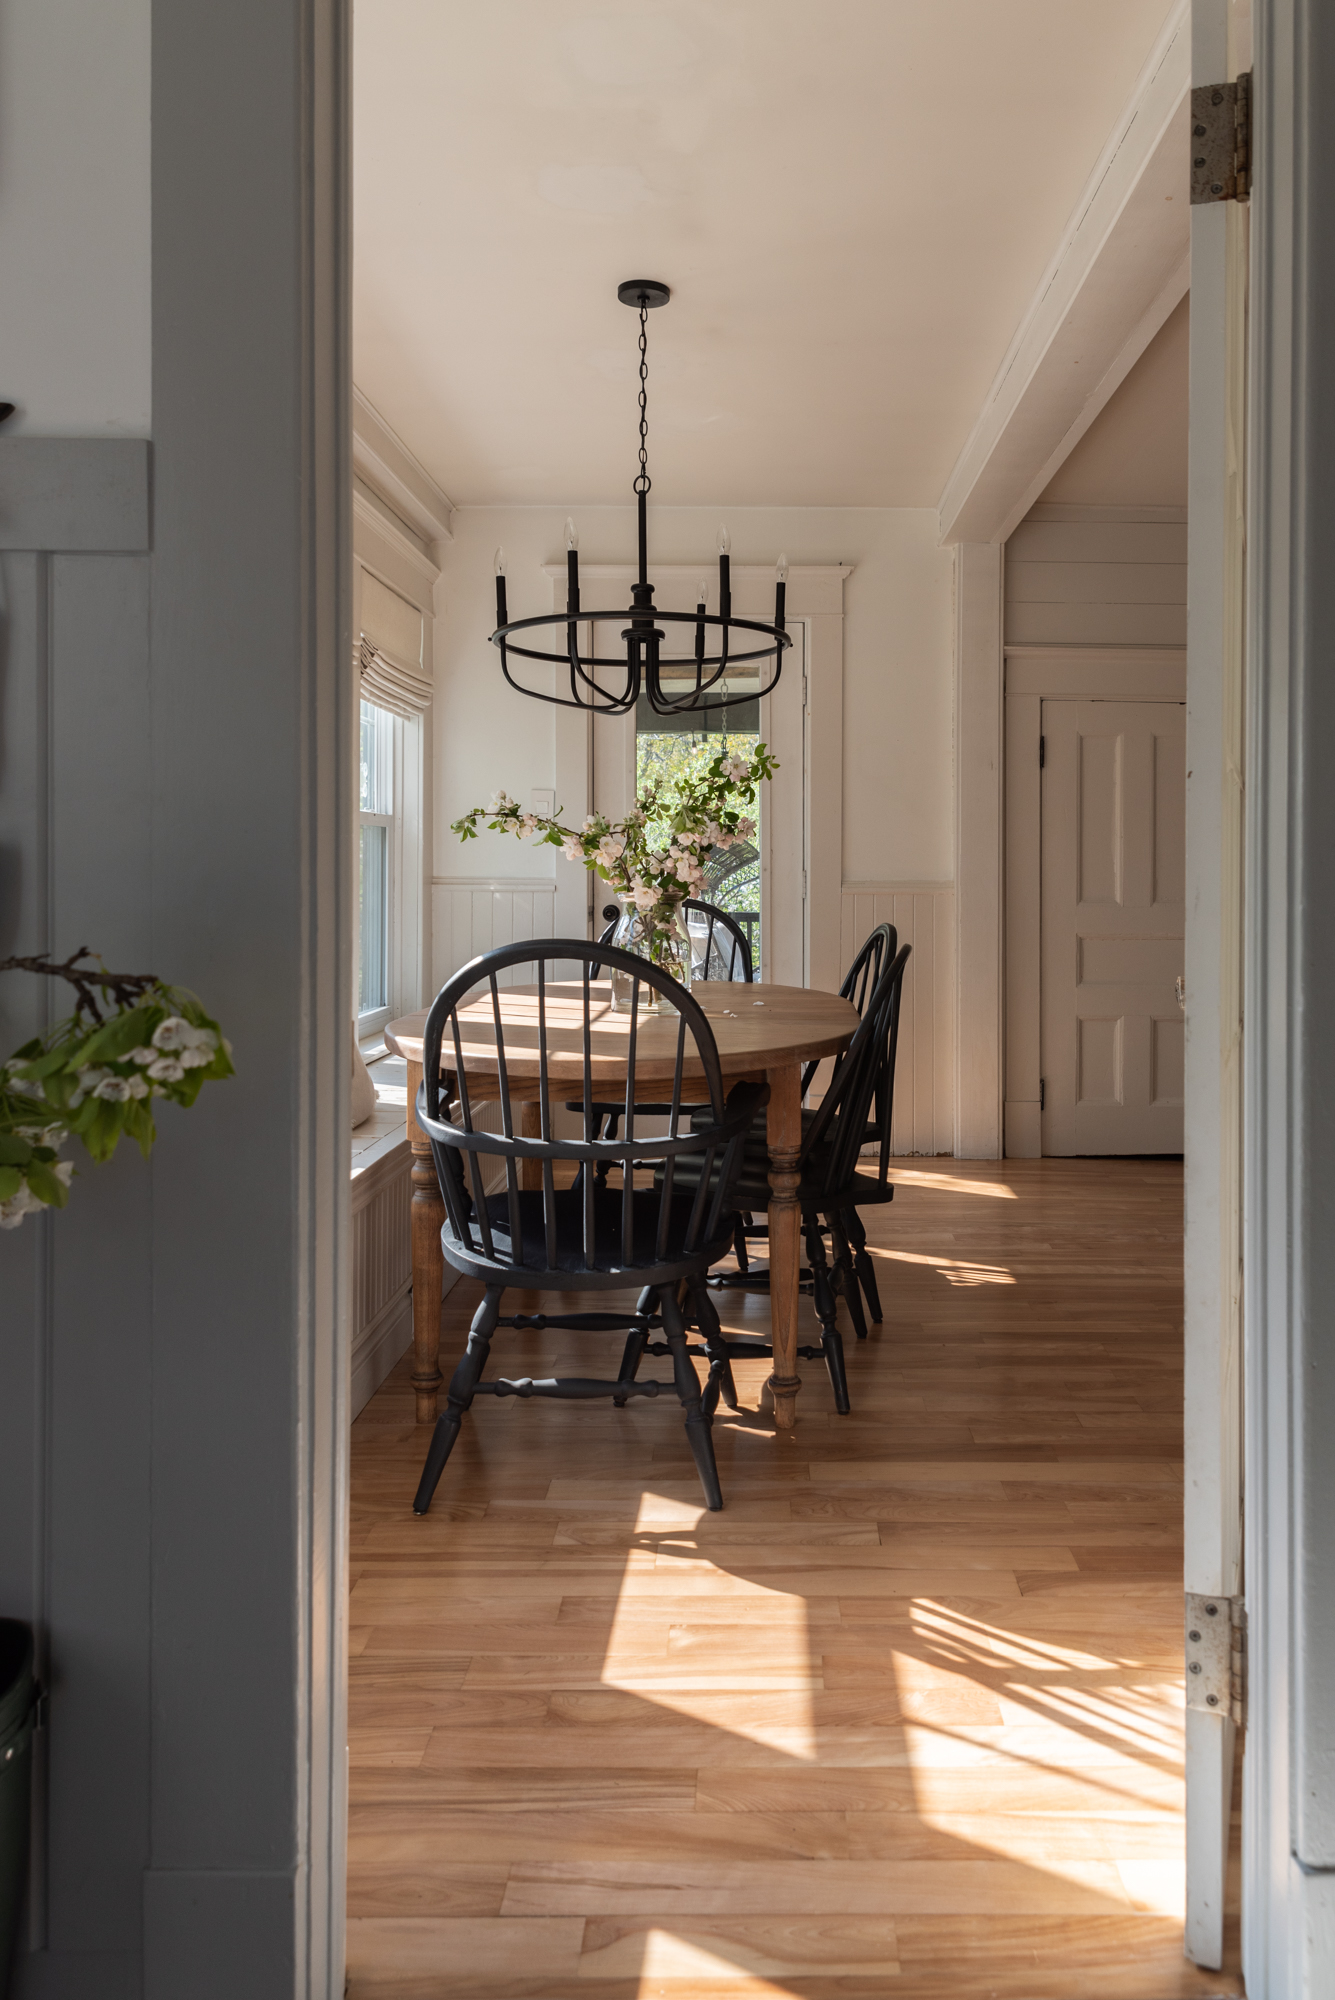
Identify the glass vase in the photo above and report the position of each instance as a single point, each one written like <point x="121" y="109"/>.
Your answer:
<point x="667" y="949"/>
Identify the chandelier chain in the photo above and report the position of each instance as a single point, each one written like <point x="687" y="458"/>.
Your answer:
<point x="642" y="479"/>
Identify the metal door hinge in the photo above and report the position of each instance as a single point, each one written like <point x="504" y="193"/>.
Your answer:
<point x="1217" y="1656"/>
<point x="1042" y="1091"/>
<point x="1042" y="751"/>
<point x="1221" y="140"/>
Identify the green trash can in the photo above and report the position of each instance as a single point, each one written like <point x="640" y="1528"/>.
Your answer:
<point x="18" y="1715"/>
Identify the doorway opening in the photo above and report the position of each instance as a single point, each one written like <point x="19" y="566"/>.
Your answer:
<point x="668" y="745"/>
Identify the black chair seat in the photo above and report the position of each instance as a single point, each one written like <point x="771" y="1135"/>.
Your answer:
<point x="610" y="1255"/>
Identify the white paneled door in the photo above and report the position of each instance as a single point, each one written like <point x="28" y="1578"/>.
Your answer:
<point x="1113" y="862"/>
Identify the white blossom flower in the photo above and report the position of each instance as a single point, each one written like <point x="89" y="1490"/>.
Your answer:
<point x="23" y="1203"/>
<point x="173" y="1033"/>
<point x="115" y="1089"/>
<point x="500" y="802"/>
<point x="42" y="1135"/>
<point x="64" y="1171"/>
<point x="142" y="1056"/>
<point x="572" y="847"/>
<point x="167" y="1069"/>
<point x="528" y="823"/>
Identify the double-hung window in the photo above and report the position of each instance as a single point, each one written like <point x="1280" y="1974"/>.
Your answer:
<point x="394" y="698"/>
<point x="380" y="862"/>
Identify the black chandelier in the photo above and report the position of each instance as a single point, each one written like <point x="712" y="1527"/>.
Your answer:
<point x="673" y="682"/>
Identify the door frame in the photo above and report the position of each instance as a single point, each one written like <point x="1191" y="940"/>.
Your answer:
<point x="1288" y="1158"/>
<point x="1033" y="675"/>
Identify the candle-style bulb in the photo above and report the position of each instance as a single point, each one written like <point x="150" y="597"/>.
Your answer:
<point x="572" y="534"/>
<point x="702" y="594"/>
<point x="781" y="569"/>
<point x="724" y="542"/>
<point x="500" y="562"/>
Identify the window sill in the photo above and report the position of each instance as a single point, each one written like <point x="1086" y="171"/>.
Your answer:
<point x="384" y="1135"/>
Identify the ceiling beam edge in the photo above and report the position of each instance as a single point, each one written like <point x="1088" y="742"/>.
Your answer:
<point x="1122" y="254"/>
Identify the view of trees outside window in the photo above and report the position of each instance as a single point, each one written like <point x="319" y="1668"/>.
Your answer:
<point x="663" y="743"/>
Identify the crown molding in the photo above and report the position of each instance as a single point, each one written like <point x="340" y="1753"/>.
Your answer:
<point x="384" y="461"/>
<point x="404" y="545"/>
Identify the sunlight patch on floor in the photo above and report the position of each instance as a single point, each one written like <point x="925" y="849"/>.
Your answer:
<point x="951" y="1184"/>
<point x="954" y="1270"/>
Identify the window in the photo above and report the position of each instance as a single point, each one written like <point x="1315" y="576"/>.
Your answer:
<point x="376" y="870"/>
<point x="388" y="973"/>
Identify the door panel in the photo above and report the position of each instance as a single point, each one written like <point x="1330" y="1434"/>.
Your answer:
<point x="1114" y="788"/>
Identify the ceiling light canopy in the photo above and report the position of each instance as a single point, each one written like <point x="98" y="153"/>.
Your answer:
<point x="673" y="681"/>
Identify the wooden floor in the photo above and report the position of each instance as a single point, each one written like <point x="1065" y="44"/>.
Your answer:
<point x="905" y="1717"/>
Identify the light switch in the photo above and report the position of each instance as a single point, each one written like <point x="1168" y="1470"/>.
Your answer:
<point x="544" y="802"/>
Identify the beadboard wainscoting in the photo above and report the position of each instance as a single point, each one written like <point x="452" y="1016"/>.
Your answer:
<point x="472" y="914"/>
<point x="382" y="1263"/>
<point x="923" y="913"/>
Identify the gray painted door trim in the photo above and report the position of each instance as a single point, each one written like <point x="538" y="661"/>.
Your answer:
<point x="252" y="569"/>
<point x="74" y="494"/>
<point x="1289" y="1050"/>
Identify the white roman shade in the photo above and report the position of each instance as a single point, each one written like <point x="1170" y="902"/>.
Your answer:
<point x="388" y="655"/>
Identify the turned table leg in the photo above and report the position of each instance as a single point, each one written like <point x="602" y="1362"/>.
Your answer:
<point x="784" y="1132"/>
<point x="530" y="1125"/>
<point x="428" y="1217"/>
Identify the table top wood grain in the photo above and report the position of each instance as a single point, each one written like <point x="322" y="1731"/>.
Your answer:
<point x="756" y="1028"/>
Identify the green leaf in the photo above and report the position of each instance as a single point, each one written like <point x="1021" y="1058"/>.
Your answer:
<point x="43" y="1066"/>
<point x="103" y="1130"/>
<point x="45" y="1185"/>
<point x="11" y="1180"/>
<point x="121" y="1034"/>
<point x="139" y="1126"/>
<point x="14" y="1152"/>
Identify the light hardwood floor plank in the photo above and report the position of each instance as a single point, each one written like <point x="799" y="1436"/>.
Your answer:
<point x="905" y="1717"/>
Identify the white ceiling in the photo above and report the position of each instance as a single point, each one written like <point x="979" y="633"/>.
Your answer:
<point x="853" y="201"/>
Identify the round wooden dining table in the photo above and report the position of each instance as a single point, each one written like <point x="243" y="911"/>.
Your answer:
<point x="760" y="1031"/>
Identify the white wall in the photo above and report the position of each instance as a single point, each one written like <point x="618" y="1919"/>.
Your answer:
<point x="1134" y="454"/>
<point x="897" y="786"/>
<point x="74" y="216"/>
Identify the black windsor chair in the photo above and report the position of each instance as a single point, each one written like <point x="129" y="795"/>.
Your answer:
<point x="828" y="1181"/>
<point x="874" y="953"/>
<point x="659" y="1238"/>
<point x="719" y="946"/>
<point x="724" y="954"/>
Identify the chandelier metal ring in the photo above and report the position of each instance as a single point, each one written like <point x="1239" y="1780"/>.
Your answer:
<point x="673" y="684"/>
